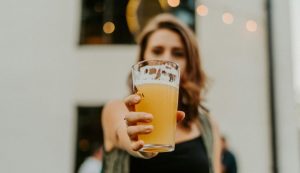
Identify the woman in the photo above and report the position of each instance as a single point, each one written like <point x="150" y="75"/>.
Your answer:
<point x="197" y="137"/>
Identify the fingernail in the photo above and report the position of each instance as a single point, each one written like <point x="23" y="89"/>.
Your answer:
<point x="148" y="116"/>
<point x="136" y="98"/>
<point x="148" y="129"/>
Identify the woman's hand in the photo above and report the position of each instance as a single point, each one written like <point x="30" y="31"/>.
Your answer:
<point x="134" y="129"/>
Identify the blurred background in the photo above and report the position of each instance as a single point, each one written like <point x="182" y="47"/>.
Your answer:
<point x="60" y="61"/>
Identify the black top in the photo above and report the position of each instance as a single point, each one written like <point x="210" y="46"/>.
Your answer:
<point x="189" y="156"/>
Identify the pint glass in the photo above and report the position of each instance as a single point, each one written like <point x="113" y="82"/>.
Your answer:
<point x="157" y="83"/>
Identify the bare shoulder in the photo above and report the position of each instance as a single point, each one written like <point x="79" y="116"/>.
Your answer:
<point x="112" y="106"/>
<point x="113" y="103"/>
<point x="112" y="115"/>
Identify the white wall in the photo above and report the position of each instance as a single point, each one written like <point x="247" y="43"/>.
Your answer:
<point x="103" y="72"/>
<point x="38" y="71"/>
<point x="44" y="75"/>
<point x="295" y="39"/>
<point x="288" y="136"/>
<point x="236" y="62"/>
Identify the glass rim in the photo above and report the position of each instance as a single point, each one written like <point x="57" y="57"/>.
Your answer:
<point x="134" y="66"/>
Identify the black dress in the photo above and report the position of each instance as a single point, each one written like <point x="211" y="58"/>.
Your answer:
<point x="188" y="157"/>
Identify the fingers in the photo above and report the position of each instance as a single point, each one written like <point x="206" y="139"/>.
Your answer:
<point x="132" y="100"/>
<point x="134" y="131"/>
<point x="133" y="117"/>
<point x="180" y="116"/>
<point x="137" y="145"/>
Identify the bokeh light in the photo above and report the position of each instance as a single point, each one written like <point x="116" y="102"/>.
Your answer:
<point x="202" y="10"/>
<point x="108" y="27"/>
<point x="174" y="3"/>
<point x="251" y="26"/>
<point x="227" y="18"/>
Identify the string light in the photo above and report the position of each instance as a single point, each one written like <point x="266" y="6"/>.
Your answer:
<point x="251" y="26"/>
<point x="227" y="18"/>
<point x="174" y="3"/>
<point x="202" y="10"/>
<point x="108" y="27"/>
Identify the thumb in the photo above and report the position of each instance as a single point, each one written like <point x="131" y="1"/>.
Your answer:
<point x="180" y="116"/>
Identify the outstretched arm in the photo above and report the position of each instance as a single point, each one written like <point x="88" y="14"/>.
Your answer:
<point x="119" y="122"/>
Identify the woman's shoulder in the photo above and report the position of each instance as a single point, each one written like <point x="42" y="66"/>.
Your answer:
<point x="113" y="105"/>
<point x="112" y="111"/>
<point x="112" y="116"/>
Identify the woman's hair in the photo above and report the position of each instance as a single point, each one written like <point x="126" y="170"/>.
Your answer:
<point x="193" y="79"/>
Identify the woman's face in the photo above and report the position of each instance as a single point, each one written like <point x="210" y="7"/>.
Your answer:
<point x="165" y="44"/>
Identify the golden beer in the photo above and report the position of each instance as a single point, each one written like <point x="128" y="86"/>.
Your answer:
<point x="161" y="101"/>
<point x="157" y="82"/>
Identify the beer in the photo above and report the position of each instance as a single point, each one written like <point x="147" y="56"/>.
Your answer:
<point x="157" y="82"/>
<point x="161" y="101"/>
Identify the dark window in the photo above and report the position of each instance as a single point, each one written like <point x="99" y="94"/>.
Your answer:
<point x="118" y="22"/>
<point x="89" y="132"/>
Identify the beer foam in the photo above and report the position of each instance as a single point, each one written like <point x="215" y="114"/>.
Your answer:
<point x="158" y="74"/>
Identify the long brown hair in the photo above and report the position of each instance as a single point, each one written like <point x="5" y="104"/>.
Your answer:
<point x="193" y="80"/>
